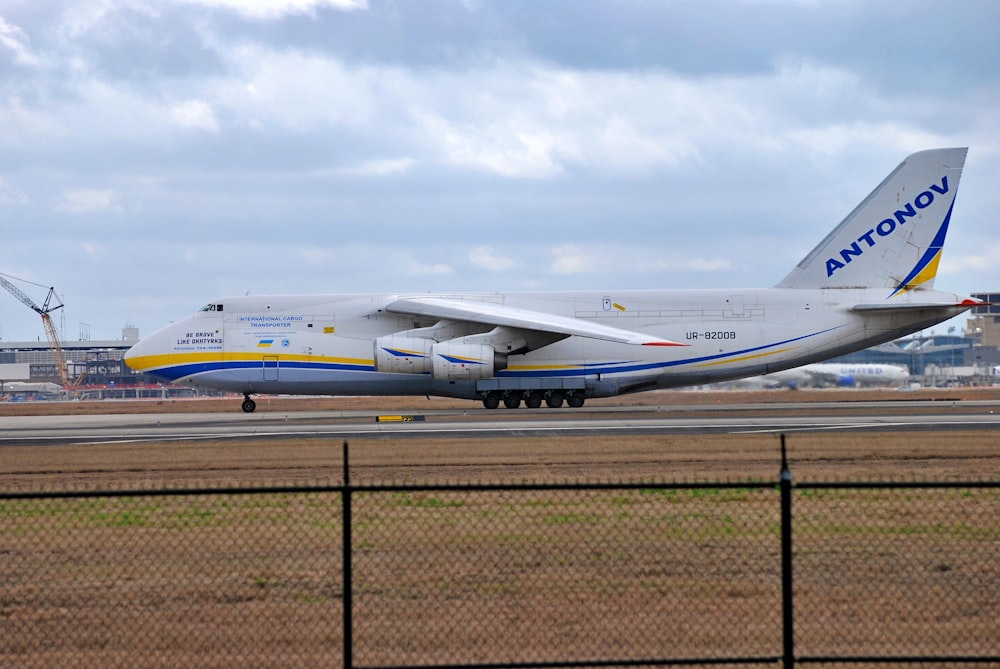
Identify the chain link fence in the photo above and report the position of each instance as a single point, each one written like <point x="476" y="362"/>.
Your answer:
<point x="500" y="575"/>
<point x="545" y="576"/>
<point x="182" y="580"/>
<point x="897" y="570"/>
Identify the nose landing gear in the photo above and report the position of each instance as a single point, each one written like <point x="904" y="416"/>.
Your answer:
<point x="248" y="404"/>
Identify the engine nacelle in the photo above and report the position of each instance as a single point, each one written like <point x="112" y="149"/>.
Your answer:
<point x="452" y="361"/>
<point x="403" y="355"/>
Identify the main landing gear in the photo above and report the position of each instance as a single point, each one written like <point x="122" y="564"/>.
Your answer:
<point x="533" y="398"/>
<point x="248" y="404"/>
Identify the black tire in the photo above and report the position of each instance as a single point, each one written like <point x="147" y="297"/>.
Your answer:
<point x="575" y="401"/>
<point x="511" y="401"/>
<point x="491" y="401"/>
<point x="533" y="400"/>
<point x="249" y="406"/>
<point x="554" y="400"/>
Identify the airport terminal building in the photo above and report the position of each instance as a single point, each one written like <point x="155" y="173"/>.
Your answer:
<point x="96" y="369"/>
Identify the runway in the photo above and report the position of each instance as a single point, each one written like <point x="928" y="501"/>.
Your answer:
<point x="875" y="416"/>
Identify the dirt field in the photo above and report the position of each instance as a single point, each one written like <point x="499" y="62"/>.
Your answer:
<point x="451" y="577"/>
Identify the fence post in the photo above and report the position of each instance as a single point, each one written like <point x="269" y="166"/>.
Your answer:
<point x="787" y="610"/>
<point x="348" y="577"/>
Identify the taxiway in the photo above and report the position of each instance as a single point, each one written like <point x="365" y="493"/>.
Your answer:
<point x="717" y="419"/>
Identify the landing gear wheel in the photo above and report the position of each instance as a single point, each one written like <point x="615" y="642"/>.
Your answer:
<point x="533" y="400"/>
<point x="491" y="401"/>
<point x="249" y="405"/>
<point x="554" y="400"/>
<point x="511" y="401"/>
<point x="575" y="401"/>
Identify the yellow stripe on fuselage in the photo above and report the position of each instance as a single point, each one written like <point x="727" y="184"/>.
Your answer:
<point x="151" y="362"/>
<point x="745" y="357"/>
<point x="541" y="368"/>
<point x="147" y="362"/>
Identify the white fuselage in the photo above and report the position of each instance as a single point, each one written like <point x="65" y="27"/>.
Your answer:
<point x="323" y="344"/>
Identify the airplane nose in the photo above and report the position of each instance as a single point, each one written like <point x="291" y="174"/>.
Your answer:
<point x="131" y="356"/>
<point x="147" y="353"/>
<point x="169" y="353"/>
<point x="138" y="357"/>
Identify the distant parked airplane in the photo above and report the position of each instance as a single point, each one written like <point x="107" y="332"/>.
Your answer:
<point x="869" y="281"/>
<point x="840" y="374"/>
<point x="30" y="389"/>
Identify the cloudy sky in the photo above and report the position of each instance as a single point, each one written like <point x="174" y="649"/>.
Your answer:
<point x="157" y="154"/>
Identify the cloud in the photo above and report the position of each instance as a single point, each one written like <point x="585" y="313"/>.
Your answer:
<point x="195" y="114"/>
<point x="508" y="147"/>
<point x="516" y="119"/>
<point x="381" y="168"/>
<point x="481" y="145"/>
<point x="314" y="256"/>
<point x="16" y="41"/>
<point x="706" y="265"/>
<point x="985" y="259"/>
<point x="570" y="259"/>
<point x="695" y="264"/>
<point x="434" y="269"/>
<point x="10" y="195"/>
<point x="628" y="260"/>
<point x="486" y="258"/>
<point x="93" y="249"/>
<point x="269" y="10"/>
<point x="87" y="200"/>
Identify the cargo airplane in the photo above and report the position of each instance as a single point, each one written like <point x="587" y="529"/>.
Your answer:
<point x="870" y="280"/>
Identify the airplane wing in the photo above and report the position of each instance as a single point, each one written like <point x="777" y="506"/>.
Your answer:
<point x="490" y="313"/>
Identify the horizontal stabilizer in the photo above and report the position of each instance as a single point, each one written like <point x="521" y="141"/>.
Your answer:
<point x="916" y="306"/>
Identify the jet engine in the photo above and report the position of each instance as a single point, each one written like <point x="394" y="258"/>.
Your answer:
<point x="449" y="361"/>
<point x="403" y="355"/>
<point x="453" y="361"/>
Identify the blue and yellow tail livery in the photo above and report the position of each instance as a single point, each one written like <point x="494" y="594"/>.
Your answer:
<point x="893" y="239"/>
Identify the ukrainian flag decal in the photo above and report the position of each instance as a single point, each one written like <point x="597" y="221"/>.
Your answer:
<point x="265" y="343"/>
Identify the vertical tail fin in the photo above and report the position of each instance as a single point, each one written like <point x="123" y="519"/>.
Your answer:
<point x="893" y="239"/>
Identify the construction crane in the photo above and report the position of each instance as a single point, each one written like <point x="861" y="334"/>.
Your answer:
<point x="50" y="329"/>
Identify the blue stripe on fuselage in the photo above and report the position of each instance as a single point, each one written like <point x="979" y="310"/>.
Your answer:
<point x="175" y="372"/>
<point x="624" y="368"/>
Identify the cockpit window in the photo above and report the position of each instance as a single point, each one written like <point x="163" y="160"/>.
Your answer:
<point x="212" y="307"/>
